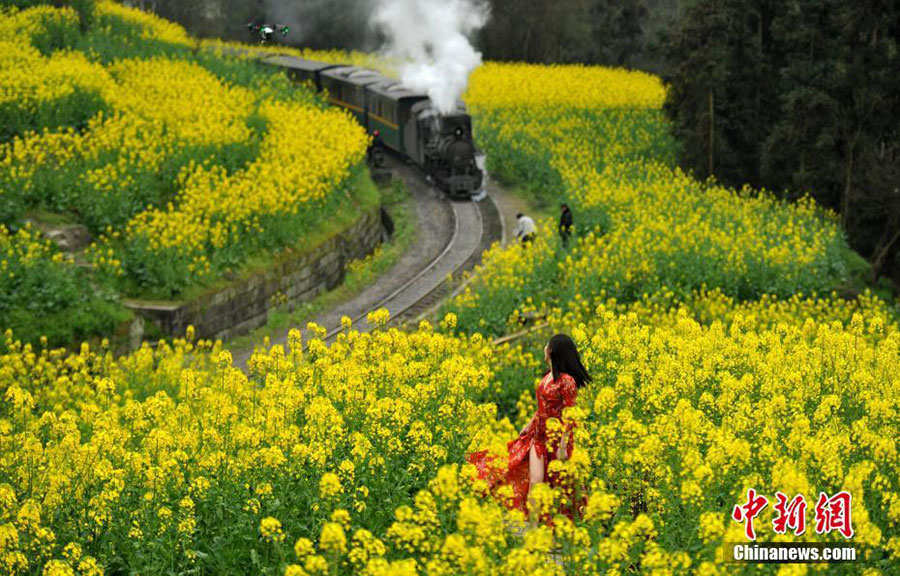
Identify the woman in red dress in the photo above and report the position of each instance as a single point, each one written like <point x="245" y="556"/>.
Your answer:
<point x="531" y="453"/>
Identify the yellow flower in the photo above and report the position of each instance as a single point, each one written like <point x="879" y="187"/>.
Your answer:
<point x="712" y="527"/>
<point x="333" y="539"/>
<point x="270" y="528"/>
<point x="58" y="568"/>
<point x="341" y="517"/>
<point x="379" y="317"/>
<point x="303" y="548"/>
<point x="330" y="486"/>
<point x="294" y="570"/>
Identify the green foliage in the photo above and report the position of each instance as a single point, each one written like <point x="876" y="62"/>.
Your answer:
<point x="801" y="96"/>
<point x="86" y="11"/>
<point x="55" y="34"/>
<point x="618" y="31"/>
<point x="23" y="3"/>
<point x="720" y="92"/>
<point x="84" y="318"/>
<point x="73" y="110"/>
<point x="111" y="38"/>
<point x="45" y="294"/>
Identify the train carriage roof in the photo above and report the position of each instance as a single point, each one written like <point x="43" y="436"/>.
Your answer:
<point x="354" y="75"/>
<point x="298" y="63"/>
<point x="393" y="90"/>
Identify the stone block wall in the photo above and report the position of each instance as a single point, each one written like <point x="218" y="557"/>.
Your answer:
<point x="244" y="304"/>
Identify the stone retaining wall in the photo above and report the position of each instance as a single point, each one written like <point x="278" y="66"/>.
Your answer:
<point x="244" y="304"/>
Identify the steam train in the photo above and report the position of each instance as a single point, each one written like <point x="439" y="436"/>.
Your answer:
<point x="409" y="124"/>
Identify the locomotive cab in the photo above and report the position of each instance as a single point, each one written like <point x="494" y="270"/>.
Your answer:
<point x="450" y="155"/>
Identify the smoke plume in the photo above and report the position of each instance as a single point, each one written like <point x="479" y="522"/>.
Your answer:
<point x="431" y="40"/>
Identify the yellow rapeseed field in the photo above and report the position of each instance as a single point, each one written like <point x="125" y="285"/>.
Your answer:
<point x="716" y="369"/>
<point x="179" y="169"/>
<point x="597" y="139"/>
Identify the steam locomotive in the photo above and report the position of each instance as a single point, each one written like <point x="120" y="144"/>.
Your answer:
<point x="408" y="122"/>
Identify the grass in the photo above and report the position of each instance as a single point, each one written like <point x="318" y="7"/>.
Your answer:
<point x="68" y="328"/>
<point x="361" y="274"/>
<point x="539" y="204"/>
<point x="55" y="219"/>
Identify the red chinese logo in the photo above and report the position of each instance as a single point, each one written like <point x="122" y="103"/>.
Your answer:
<point x="749" y="511"/>
<point x="790" y="514"/>
<point x="832" y="513"/>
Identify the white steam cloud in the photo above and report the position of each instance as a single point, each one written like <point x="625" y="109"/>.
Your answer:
<point x="431" y="40"/>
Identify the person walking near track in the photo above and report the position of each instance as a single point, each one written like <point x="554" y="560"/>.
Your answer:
<point x="565" y="224"/>
<point x="526" y="229"/>
<point x="376" y="150"/>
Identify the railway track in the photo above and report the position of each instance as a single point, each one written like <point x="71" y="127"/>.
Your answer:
<point x="491" y="231"/>
<point x="425" y="288"/>
<point x="452" y="238"/>
<point x="476" y="225"/>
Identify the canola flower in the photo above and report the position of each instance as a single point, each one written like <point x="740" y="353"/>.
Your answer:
<point x="192" y="106"/>
<point x="215" y="210"/>
<point x="686" y="413"/>
<point x="520" y="85"/>
<point x="134" y="451"/>
<point x="735" y="368"/>
<point x="145" y="447"/>
<point x="68" y="89"/>
<point x="597" y="139"/>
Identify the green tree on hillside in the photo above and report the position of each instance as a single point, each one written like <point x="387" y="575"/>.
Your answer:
<point x="801" y="96"/>
<point x="617" y="31"/>
<point x="537" y="30"/>
<point x="698" y="76"/>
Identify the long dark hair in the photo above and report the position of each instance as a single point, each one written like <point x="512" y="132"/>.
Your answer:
<point x="564" y="359"/>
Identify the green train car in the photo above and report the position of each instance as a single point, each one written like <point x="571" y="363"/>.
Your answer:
<point x="441" y="144"/>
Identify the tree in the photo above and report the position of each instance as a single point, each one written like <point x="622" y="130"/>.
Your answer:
<point x="802" y="149"/>
<point x="697" y="74"/>
<point x="537" y="31"/>
<point x="800" y="96"/>
<point x="618" y="37"/>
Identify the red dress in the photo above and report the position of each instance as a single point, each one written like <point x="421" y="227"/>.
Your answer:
<point x="552" y="397"/>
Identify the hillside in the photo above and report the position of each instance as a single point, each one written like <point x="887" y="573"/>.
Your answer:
<point x="727" y="348"/>
<point x="179" y="164"/>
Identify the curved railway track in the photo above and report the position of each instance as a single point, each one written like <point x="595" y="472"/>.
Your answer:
<point x="491" y="231"/>
<point x="408" y="298"/>
<point x="475" y="226"/>
<point x="452" y="238"/>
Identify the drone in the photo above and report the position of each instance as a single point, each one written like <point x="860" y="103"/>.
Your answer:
<point x="266" y="31"/>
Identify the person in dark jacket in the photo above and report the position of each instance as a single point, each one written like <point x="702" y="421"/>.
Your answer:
<point x="376" y="150"/>
<point x="565" y="224"/>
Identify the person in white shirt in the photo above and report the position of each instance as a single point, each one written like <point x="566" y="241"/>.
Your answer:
<point x="526" y="229"/>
